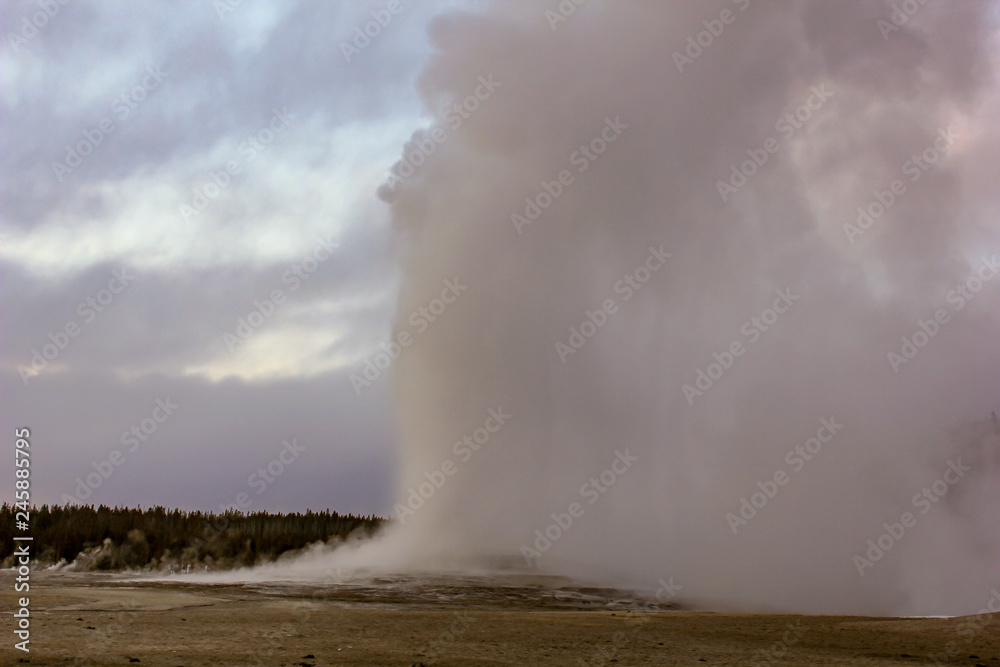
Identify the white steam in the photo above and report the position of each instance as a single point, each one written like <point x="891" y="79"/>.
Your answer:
<point x="868" y="100"/>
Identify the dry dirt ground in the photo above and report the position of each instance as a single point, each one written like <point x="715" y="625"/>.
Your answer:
<point x="89" y="620"/>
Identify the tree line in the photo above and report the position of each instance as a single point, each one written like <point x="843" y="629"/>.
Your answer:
<point x="105" y="538"/>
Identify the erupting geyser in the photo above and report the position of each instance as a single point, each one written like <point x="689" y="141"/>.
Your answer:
<point x="711" y="291"/>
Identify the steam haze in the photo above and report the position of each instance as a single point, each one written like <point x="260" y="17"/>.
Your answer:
<point x="701" y="293"/>
<point x="884" y="100"/>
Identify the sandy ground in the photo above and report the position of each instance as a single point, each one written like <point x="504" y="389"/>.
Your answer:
<point x="90" y="620"/>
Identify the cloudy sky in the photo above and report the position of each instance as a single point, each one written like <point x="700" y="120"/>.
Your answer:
<point x="164" y="167"/>
<point x="198" y="256"/>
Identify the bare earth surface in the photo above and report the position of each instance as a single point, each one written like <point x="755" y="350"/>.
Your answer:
<point x="95" y="620"/>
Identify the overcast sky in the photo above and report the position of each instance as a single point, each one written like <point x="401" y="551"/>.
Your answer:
<point x="173" y="163"/>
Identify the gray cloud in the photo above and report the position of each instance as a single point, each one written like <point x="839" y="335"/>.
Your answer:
<point x="196" y="86"/>
<point x="202" y="455"/>
<point x="610" y="67"/>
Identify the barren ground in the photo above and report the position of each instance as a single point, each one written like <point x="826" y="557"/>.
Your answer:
<point x="91" y="620"/>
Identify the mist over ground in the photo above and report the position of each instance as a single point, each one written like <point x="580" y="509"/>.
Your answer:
<point x="703" y="292"/>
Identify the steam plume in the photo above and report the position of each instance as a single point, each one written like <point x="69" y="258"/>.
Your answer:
<point x="849" y="103"/>
<point x="876" y="97"/>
